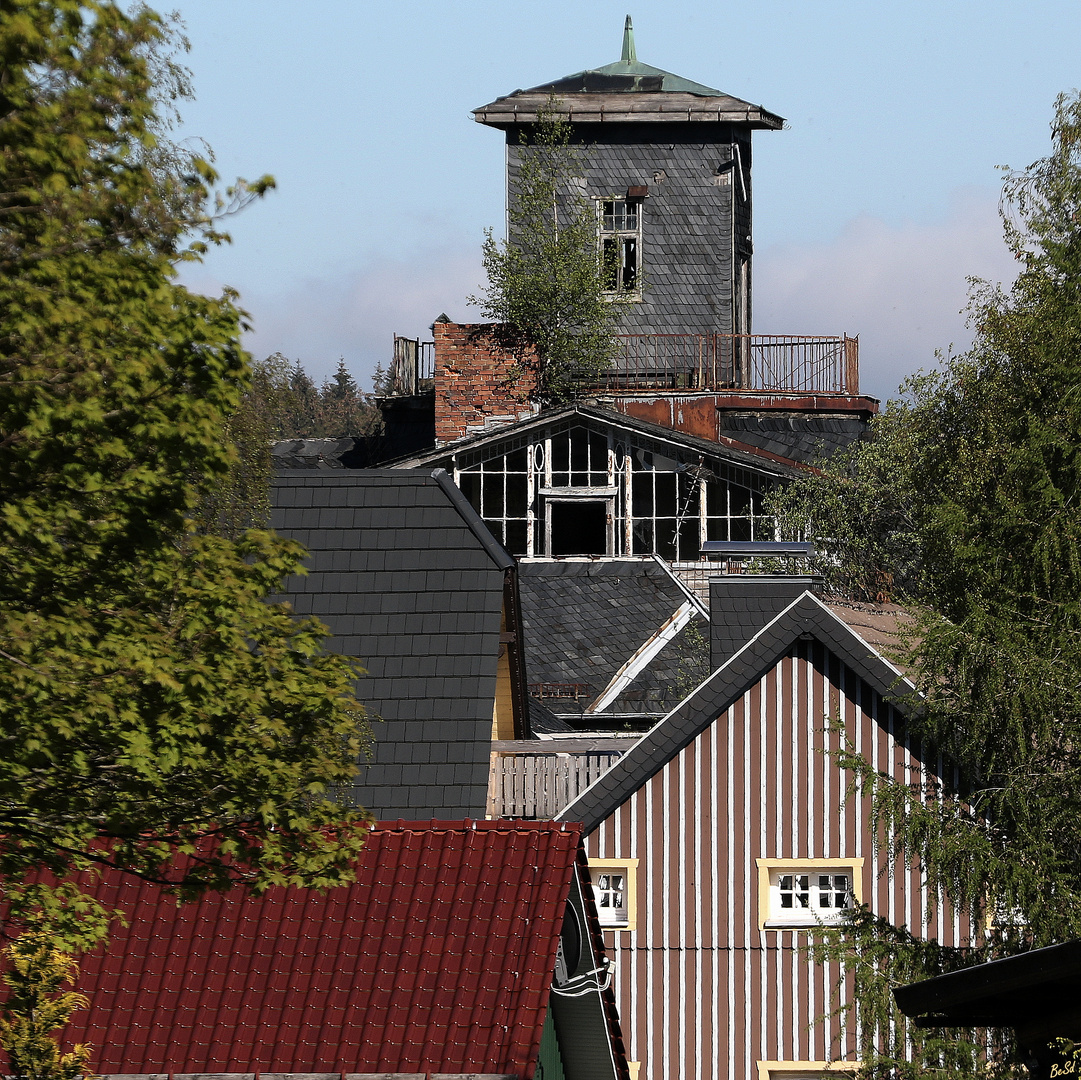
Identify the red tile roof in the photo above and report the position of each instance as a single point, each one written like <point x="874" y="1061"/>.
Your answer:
<point x="438" y="959"/>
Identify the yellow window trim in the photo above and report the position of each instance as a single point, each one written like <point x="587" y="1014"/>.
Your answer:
<point x="775" y="1070"/>
<point x="768" y="866"/>
<point x="630" y="867"/>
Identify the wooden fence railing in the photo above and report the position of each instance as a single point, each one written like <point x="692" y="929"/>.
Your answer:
<point x="540" y="785"/>
<point x="412" y="366"/>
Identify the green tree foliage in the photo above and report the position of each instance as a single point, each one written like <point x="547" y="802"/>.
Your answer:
<point x="546" y="283"/>
<point x="37" y="1008"/>
<point x="287" y="403"/>
<point x="156" y="713"/>
<point x="969" y="494"/>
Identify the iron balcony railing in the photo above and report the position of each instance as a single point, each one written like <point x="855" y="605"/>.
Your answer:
<point x="755" y="363"/>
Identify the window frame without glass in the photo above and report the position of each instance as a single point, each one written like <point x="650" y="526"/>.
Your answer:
<point x="619" y="235"/>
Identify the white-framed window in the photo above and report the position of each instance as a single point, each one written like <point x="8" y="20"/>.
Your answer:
<point x="615" y="892"/>
<point x="621" y="245"/>
<point x="795" y="893"/>
<point x="806" y="1070"/>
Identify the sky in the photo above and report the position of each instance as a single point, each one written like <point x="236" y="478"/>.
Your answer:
<point x="872" y="209"/>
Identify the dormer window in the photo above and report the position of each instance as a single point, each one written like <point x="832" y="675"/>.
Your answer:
<point x="621" y="245"/>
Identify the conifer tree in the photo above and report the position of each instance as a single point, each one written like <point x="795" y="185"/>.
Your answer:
<point x="37" y="1008"/>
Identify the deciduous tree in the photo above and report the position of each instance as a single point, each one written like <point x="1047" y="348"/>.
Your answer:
<point x="157" y="714"/>
<point x="546" y="281"/>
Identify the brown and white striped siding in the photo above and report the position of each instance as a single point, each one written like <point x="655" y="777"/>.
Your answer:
<point x="704" y="994"/>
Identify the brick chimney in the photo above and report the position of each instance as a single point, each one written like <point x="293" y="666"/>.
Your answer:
<point x="481" y="380"/>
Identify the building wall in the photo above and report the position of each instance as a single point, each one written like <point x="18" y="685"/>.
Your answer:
<point x="703" y="992"/>
<point x="479" y="378"/>
<point x="687" y="236"/>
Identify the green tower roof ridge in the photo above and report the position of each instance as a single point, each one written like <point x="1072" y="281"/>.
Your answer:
<point x="629" y="55"/>
<point x="629" y="64"/>
<point x="627" y="91"/>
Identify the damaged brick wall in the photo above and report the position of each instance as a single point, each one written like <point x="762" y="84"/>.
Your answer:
<point x="479" y="380"/>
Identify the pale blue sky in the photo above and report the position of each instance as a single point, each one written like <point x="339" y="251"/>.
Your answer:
<point x="870" y="210"/>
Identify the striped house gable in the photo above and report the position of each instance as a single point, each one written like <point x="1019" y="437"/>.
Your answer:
<point x="731" y="792"/>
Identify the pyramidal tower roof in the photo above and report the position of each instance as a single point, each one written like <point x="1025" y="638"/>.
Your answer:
<point x="627" y="91"/>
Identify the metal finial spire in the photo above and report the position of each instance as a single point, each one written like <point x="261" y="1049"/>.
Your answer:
<point x="629" y="55"/>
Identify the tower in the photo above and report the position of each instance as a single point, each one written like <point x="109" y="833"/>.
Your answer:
<point x="667" y="162"/>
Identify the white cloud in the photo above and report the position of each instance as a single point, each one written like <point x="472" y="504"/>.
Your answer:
<point x="355" y="315"/>
<point x="903" y="288"/>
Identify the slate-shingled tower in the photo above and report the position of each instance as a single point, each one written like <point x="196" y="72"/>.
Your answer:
<point x="669" y="163"/>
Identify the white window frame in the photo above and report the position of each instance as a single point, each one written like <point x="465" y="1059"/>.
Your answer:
<point x="606" y="496"/>
<point x="605" y="233"/>
<point x="771" y="872"/>
<point x="806" y="1070"/>
<point x="629" y="869"/>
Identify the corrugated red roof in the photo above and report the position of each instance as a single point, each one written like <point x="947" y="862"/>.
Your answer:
<point x="438" y="959"/>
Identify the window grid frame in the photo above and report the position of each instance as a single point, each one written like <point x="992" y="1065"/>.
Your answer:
<point x="629" y="869"/>
<point x="613" y="227"/>
<point x="771" y="914"/>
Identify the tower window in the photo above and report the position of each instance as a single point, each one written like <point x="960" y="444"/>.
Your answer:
<point x="621" y="244"/>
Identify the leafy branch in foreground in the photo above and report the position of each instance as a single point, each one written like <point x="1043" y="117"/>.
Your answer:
<point x="157" y="714"/>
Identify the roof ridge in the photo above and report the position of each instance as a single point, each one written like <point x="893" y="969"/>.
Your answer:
<point x="464" y="825"/>
<point x="679" y="727"/>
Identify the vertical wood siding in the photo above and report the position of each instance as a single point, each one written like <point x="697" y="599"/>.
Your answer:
<point x="703" y="993"/>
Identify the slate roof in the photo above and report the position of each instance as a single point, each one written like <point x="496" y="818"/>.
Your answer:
<point x="439" y="959"/>
<point x="741" y="604"/>
<point x="627" y="90"/>
<point x="410" y="582"/>
<point x="796" y="437"/>
<point x="584" y="619"/>
<point x="807" y="615"/>
<point x="692" y="445"/>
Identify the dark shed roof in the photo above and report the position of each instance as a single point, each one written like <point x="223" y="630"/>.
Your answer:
<point x="1003" y="993"/>
<point x="584" y="619"/>
<point x="410" y="582"/>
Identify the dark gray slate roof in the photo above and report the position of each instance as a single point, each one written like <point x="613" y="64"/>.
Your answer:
<point x="598" y="417"/>
<point x="805" y="616"/>
<point x="797" y="437"/>
<point x="584" y="619"/>
<point x="410" y="582"/>
<point x="741" y="604"/>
